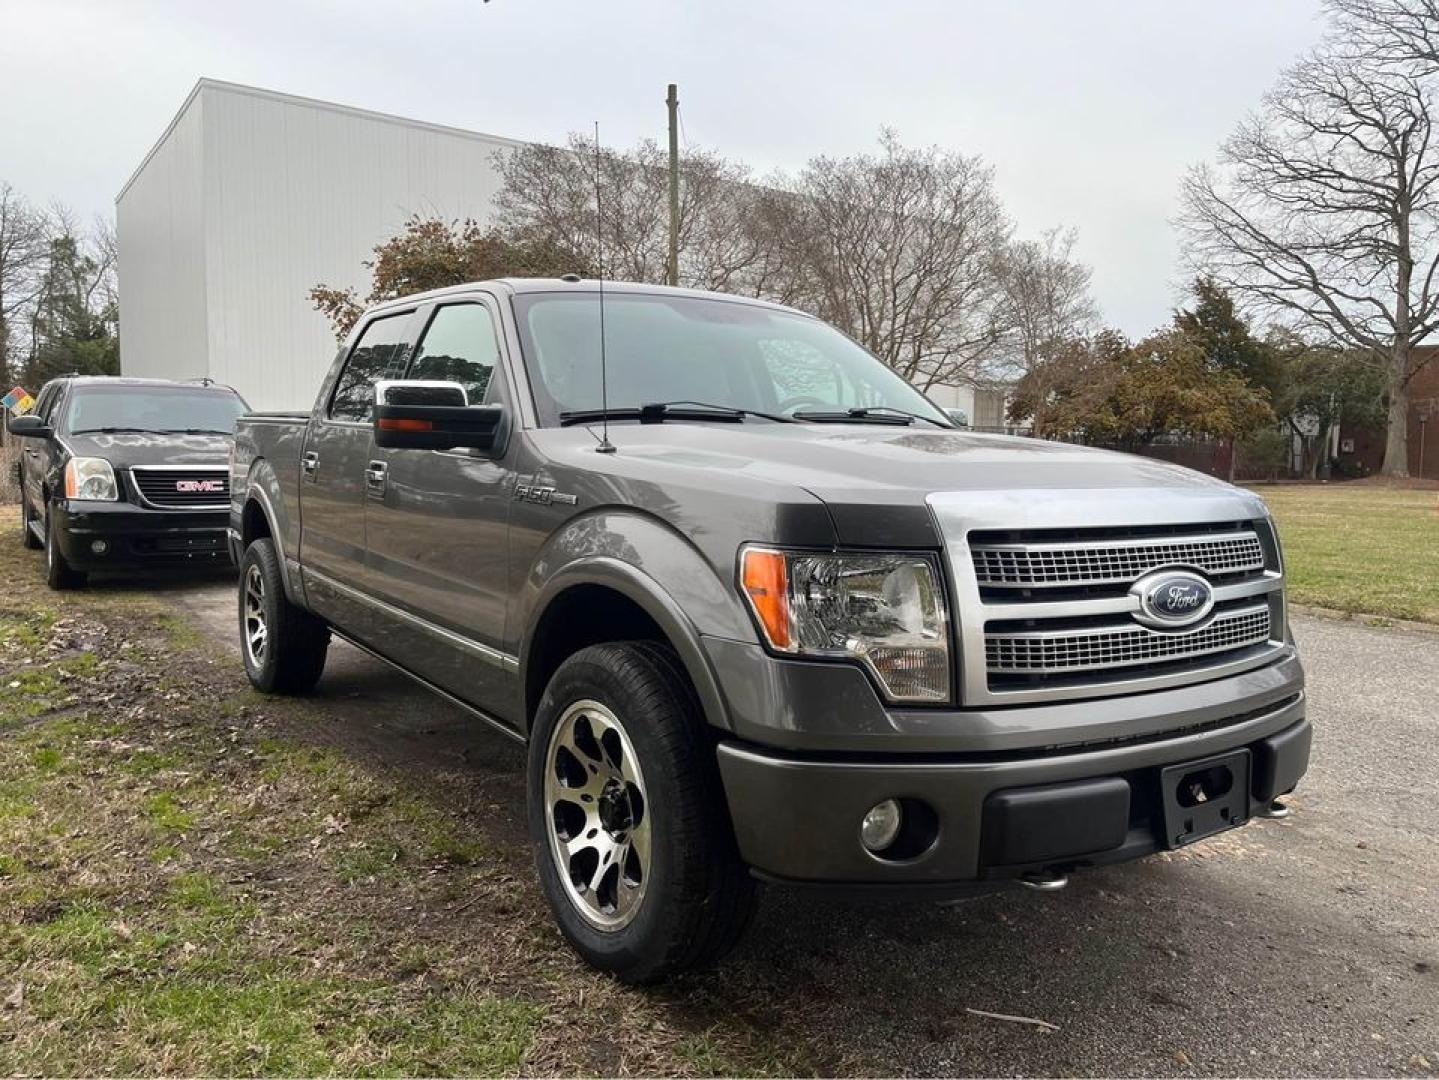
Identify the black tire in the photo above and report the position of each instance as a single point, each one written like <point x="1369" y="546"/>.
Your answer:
<point x="59" y="574"/>
<point x="27" y="534"/>
<point x="698" y="896"/>
<point x="288" y="656"/>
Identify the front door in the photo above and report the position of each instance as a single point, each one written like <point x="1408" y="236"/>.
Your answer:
<point x="437" y="522"/>
<point x="332" y="477"/>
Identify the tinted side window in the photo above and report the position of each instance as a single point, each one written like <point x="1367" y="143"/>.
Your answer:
<point x="379" y="354"/>
<point x="45" y="403"/>
<point x="459" y="346"/>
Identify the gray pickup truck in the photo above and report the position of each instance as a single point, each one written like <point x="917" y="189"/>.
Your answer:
<point x="761" y="611"/>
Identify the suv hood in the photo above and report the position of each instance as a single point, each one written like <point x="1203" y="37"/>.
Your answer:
<point x="124" y="449"/>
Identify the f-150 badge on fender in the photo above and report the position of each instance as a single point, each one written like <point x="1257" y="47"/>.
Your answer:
<point x="543" y="495"/>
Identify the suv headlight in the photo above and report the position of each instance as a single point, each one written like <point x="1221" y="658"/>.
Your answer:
<point x="90" y="478"/>
<point x="885" y="611"/>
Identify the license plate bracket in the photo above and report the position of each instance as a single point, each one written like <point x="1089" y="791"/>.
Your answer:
<point x="1204" y="797"/>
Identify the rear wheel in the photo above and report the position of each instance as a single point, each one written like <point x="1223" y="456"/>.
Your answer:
<point x="27" y="526"/>
<point x="284" y="646"/>
<point x="631" y="837"/>
<point x="59" y="574"/>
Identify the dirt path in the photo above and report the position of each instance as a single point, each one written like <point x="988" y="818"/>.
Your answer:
<point x="1298" y="947"/>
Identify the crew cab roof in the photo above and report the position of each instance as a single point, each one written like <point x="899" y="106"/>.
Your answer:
<point x="520" y="286"/>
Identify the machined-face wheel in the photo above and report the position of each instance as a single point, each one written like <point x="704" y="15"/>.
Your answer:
<point x="598" y="815"/>
<point x="256" y="629"/>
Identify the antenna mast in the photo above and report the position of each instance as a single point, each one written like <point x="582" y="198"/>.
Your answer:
<point x="605" y="447"/>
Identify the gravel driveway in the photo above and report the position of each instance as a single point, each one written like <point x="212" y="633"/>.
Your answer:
<point x="1306" y="946"/>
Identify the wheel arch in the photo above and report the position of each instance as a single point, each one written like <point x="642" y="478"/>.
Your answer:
<point x="258" y="519"/>
<point x="620" y="602"/>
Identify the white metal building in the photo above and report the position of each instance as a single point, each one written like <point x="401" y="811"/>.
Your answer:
<point x="249" y="200"/>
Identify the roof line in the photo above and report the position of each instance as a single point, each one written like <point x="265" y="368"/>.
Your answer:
<point x="309" y="102"/>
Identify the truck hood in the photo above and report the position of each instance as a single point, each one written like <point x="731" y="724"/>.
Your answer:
<point x="843" y="462"/>
<point x="124" y="449"/>
<point x="877" y="480"/>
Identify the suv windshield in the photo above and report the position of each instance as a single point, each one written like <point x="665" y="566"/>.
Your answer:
<point x="662" y="348"/>
<point x="153" y="408"/>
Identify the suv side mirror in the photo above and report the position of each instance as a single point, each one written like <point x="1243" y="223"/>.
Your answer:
<point x="434" y="416"/>
<point x="28" y="427"/>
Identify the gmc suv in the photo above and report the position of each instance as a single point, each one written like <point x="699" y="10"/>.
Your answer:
<point x="125" y="474"/>
<point x="760" y="610"/>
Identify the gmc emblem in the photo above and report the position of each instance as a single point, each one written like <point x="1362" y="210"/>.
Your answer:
<point x="206" y="487"/>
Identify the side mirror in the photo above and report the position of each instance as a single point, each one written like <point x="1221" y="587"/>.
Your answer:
<point x="434" y="416"/>
<point x="28" y="427"/>
<point x="957" y="417"/>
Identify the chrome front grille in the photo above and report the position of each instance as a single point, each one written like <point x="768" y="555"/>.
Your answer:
<point x="1045" y="603"/>
<point x="1069" y="564"/>
<point x="1121" y="644"/>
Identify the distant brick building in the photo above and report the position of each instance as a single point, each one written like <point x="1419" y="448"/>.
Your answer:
<point x="1361" y="450"/>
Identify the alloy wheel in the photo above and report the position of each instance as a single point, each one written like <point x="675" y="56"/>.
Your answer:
<point x="256" y="630"/>
<point x="598" y="815"/>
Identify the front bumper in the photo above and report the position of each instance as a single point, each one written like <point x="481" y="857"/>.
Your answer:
<point x="136" y="538"/>
<point x="996" y="816"/>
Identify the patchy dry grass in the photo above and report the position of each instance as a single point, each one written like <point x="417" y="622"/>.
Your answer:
<point x="190" y="886"/>
<point x="1359" y="548"/>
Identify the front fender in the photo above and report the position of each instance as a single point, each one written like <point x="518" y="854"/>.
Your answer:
<point x="650" y="564"/>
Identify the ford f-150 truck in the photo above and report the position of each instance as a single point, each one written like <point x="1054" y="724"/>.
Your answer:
<point x="760" y="610"/>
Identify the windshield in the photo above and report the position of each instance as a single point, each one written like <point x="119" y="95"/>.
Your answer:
<point x="153" y="408"/>
<point x="662" y="348"/>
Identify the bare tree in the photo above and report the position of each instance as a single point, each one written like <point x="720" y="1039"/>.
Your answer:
<point x="902" y="248"/>
<point x="1398" y="31"/>
<point x="549" y="192"/>
<point x="1322" y="212"/>
<point x="1046" y="297"/>
<point x="23" y="250"/>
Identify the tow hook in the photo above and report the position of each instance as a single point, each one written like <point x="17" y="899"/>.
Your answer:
<point x="1044" y="880"/>
<point x="1276" y="810"/>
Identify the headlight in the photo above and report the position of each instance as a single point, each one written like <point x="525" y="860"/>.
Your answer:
<point x="90" y="478"/>
<point x="884" y="611"/>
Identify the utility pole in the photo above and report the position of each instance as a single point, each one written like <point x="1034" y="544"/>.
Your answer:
<point x="672" y="99"/>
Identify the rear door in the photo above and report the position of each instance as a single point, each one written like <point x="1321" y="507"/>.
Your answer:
<point x="332" y="475"/>
<point x="437" y="522"/>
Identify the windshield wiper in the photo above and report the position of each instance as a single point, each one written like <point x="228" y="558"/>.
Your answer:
<point x="657" y="412"/>
<point x="864" y="416"/>
<point x="112" y="430"/>
<point x="193" y="431"/>
<point x="870" y="414"/>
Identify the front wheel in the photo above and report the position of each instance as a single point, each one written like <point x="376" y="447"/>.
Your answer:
<point x="631" y="838"/>
<point x="284" y="646"/>
<point x="59" y="574"/>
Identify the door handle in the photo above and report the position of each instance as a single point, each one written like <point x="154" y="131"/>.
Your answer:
<point x="309" y="463"/>
<point x="375" y="477"/>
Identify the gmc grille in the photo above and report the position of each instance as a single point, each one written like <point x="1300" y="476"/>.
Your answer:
<point x="182" y="489"/>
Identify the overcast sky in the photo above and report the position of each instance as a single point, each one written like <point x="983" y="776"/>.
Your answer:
<point x="1089" y="110"/>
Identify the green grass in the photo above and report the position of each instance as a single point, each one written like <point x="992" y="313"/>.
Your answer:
<point x="1361" y="549"/>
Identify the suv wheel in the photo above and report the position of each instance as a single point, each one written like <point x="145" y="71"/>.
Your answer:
<point x="27" y="526"/>
<point x="631" y="837"/>
<point x="59" y="574"/>
<point x="284" y="646"/>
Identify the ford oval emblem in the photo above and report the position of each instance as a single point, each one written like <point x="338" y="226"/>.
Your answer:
<point x="1170" y="599"/>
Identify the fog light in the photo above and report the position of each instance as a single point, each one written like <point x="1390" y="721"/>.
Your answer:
<point x="881" y="825"/>
<point x="99" y="547"/>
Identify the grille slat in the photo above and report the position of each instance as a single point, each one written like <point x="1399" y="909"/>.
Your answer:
<point x="1066" y="565"/>
<point x="1121" y="645"/>
<point x="182" y="489"/>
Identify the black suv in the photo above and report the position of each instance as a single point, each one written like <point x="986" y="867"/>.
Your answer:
<point x="124" y="474"/>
